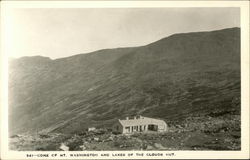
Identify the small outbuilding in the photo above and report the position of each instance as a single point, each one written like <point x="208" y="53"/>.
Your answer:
<point x="91" y="129"/>
<point x="139" y="124"/>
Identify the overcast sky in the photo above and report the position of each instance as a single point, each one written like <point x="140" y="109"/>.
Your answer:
<point x="59" y="32"/>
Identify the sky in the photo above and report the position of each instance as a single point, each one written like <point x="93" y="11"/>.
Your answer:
<point x="62" y="32"/>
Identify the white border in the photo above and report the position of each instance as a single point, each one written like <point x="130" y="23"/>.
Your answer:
<point x="244" y="6"/>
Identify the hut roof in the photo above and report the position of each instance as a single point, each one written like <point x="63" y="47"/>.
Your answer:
<point x="141" y="121"/>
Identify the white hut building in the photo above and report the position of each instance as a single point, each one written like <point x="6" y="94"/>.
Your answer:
<point x="139" y="124"/>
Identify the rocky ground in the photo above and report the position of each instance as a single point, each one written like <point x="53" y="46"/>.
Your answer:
<point x="196" y="133"/>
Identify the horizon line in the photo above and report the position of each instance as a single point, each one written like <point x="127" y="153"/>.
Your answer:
<point x="94" y="51"/>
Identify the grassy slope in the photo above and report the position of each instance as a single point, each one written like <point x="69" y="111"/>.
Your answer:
<point x="174" y="78"/>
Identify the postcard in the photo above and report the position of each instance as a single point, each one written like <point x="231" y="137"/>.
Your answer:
<point x="125" y="80"/>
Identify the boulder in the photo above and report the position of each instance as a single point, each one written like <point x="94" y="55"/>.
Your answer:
<point x="159" y="146"/>
<point x="82" y="147"/>
<point x="64" y="147"/>
<point x="150" y="147"/>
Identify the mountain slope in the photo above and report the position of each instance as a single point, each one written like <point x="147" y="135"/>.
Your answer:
<point x="173" y="78"/>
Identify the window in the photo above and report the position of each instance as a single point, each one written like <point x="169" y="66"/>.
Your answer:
<point x="152" y="127"/>
<point x="127" y="129"/>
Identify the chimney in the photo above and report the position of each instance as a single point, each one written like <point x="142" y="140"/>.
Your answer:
<point x="138" y="117"/>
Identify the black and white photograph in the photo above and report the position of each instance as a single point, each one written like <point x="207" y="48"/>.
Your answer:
<point x="124" y="79"/>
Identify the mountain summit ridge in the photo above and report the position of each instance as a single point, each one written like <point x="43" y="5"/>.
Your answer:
<point x="236" y="29"/>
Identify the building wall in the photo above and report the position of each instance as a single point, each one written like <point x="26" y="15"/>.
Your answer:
<point x="117" y="127"/>
<point x="162" y="127"/>
<point x="135" y="128"/>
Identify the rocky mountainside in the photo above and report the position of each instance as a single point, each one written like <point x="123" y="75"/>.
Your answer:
<point x="184" y="75"/>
